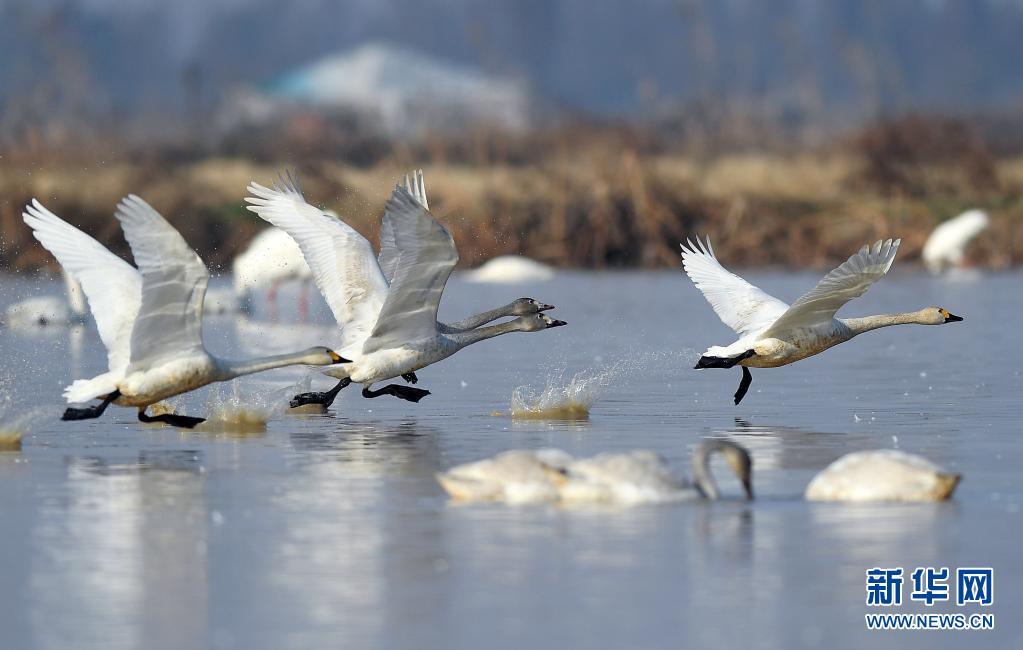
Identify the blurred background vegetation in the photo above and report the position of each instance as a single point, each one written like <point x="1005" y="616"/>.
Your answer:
<point x="581" y="134"/>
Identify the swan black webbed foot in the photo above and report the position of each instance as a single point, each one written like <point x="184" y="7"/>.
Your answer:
<point x="747" y="379"/>
<point x="325" y="398"/>
<point x="406" y="393"/>
<point x="173" y="419"/>
<point x="410" y="377"/>
<point x="90" y="412"/>
<point x="723" y="362"/>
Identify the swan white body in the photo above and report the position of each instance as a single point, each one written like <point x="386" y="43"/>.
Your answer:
<point x="44" y="311"/>
<point x="772" y="333"/>
<point x="882" y="475"/>
<point x="946" y="246"/>
<point x="271" y="258"/>
<point x="150" y="318"/>
<point x="386" y="306"/>
<point x="630" y="478"/>
<point x="508" y="269"/>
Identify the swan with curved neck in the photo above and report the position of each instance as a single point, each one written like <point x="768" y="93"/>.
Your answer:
<point x="772" y="333"/>
<point x="629" y="478"/>
<point x="149" y="318"/>
<point x="386" y="305"/>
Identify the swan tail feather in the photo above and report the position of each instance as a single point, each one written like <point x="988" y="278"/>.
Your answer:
<point x="83" y="390"/>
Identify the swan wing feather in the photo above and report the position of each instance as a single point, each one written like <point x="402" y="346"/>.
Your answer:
<point x="850" y="280"/>
<point x="174" y="278"/>
<point x="342" y="261"/>
<point x="388" y="258"/>
<point x="426" y="257"/>
<point x="112" y="286"/>
<point x="740" y="305"/>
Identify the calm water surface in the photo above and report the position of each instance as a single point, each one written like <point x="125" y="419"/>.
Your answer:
<point x="330" y="531"/>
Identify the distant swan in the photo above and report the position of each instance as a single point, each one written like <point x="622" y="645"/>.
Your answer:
<point x="271" y="258"/>
<point x="551" y="475"/>
<point x="508" y="269"/>
<point x="387" y="308"/>
<point x="150" y="318"/>
<point x="946" y="246"/>
<point x="44" y="311"/>
<point x="773" y="334"/>
<point x="882" y="475"/>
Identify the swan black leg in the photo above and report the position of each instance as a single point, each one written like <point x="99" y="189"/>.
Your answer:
<point x="747" y="379"/>
<point x="173" y="419"/>
<point x="410" y="377"/>
<point x="722" y="362"/>
<point x="90" y="412"/>
<point x="326" y="398"/>
<point x="406" y="393"/>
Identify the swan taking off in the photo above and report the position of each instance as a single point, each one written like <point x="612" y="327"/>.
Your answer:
<point x="150" y="318"/>
<point x="271" y="258"/>
<point x="773" y="334"/>
<point x="882" y="475"/>
<point x="551" y="475"/>
<point x="946" y="246"/>
<point x="386" y="306"/>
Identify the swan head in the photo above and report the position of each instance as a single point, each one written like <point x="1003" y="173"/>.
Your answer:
<point x="527" y="306"/>
<point x="537" y="322"/>
<point x="324" y="356"/>
<point x="939" y="316"/>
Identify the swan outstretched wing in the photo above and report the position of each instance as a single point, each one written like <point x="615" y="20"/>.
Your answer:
<point x="426" y="257"/>
<point x="174" y="281"/>
<point x="739" y="304"/>
<point x="848" y="281"/>
<point x="388" y="258"/>
<point x="112" y="286"/>
<point x="342" y="260"/>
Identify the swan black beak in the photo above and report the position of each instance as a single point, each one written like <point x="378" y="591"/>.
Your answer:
<point x="545" y="307"/>
<point x="556" y="323"/>
<point x="337" y="358"/>
<point x="952" y="318"/>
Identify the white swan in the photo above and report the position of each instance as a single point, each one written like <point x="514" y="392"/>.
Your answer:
<point x="882" y="475"/>
<point x="773" y="334"/>
<point x="551" y="475"/>
<point x="271" y="258"/>
<point x="150" y="318"/>
<point x="45" y="311"/>
<point x="387" y="308"/>
<point x="946" y="245"/>
<point x="508" y="269"/>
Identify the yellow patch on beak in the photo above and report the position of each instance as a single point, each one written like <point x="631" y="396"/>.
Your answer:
<point x="335" y="357"/>
<point x="943" y="312"/>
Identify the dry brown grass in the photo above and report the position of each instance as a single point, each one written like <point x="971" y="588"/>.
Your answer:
<point x="573" y="197"/>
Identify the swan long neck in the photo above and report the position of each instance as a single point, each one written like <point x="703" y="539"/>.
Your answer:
<point x="738" y="459"/>
<point x="867" y="323"/>
<point x="701" y="472"/>
<point x="463" y="339"/>
<point x="482" y="318"/>
<point x="231" y="368"/>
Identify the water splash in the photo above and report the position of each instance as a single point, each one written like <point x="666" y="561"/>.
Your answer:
<point x="572" y="398"/>
<point x="229" y="412"/>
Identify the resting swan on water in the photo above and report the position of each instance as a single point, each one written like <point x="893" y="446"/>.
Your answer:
<point x="882" y="475"/>
<point x="551" y="475"/>
<point x="386" y="306"/>
<point x="150" y="318"/>
<point x="773" y="334"/>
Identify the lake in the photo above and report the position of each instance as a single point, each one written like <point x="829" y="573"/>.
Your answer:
<point x="331" y="530"/>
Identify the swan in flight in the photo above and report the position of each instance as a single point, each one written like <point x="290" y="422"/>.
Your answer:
<point x="551" y="475"/>
<point x="882" y="475"/>
<point x="773" y="334"/>
<point x="946" y="246"/>
<point x="386" y="306"/>
<point x="45" y="311"/>
<point x="150" y="318"/>
<point x="271" y="258"/>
